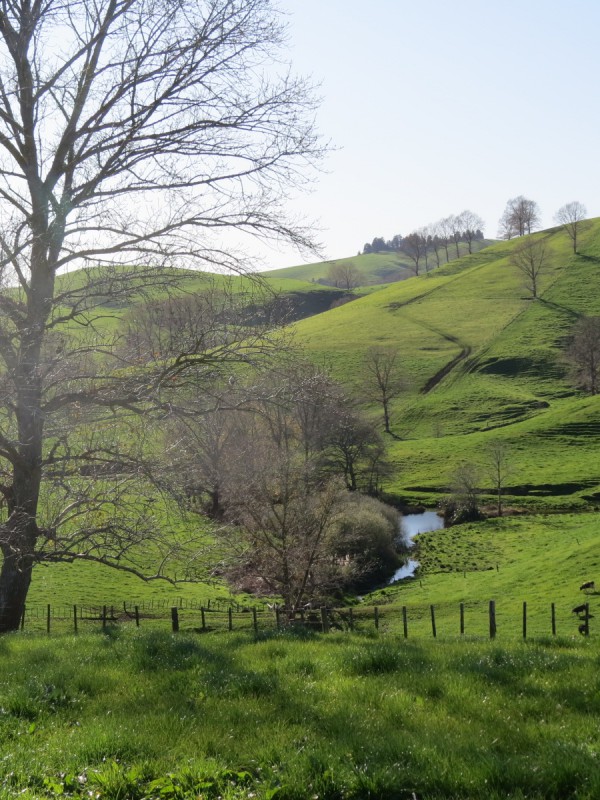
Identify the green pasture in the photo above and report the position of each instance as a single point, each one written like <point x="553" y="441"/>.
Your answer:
<point x="133" y="715"/>
<point x="482" y="362"/>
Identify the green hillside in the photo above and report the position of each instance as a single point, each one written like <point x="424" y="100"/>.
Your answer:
<point x="483" y="362"/>
<point x="377" y="268"/>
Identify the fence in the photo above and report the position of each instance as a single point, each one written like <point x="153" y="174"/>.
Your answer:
<point x="476" y="619"/>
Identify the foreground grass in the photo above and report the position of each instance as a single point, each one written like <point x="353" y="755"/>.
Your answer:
<point x="147" y="715"/>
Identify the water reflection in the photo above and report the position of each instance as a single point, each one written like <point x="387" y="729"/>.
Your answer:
<point x="410" y="526"/>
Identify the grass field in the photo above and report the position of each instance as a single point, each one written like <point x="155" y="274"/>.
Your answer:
<point x="152" y="715"/>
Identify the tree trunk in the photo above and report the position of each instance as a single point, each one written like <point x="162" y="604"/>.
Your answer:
<point x="15" y="575"/>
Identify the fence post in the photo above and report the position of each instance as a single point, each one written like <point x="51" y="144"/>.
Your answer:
<point x="405" y="621"/>
<point x="23" y="618"/>
<point x="137" y="616"/>
<point x="75" y="618"/>
<point x="524" y="620"/>
<point x="553" y="615"/>
<point x="351" y="620"/>
<point x="277" y="620"/>
<point x="586" y="621"/>
<point x="175" y="619"/>
<point x="376" y="612"/>
<point x="48" y="619"/>
<point x="254" y="620"/>
<point x="103" y="617"/>
<point x="462" y="619"/>
<point x="230" y="618"/>
<point x="324" y="620"/>
<point x="492" y="619"/>
<point x="433" y="628"/>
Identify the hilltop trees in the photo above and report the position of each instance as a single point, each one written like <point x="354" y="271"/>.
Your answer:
<point x="570" y="216"/>
<point x="344" y="275"/>
<point x="146" y="134"/>
<point x="520" y="216"/>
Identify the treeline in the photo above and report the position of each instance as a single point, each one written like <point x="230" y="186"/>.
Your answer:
<point x="433" y="242"/>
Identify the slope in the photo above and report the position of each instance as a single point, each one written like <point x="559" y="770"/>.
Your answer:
<point x="483" y="361"/>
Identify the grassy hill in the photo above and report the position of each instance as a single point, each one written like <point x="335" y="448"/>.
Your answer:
<point x="483" y="362"/>
<point x="377" y="268"/>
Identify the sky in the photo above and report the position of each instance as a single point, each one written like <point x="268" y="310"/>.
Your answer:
<point x="435" y="107"/>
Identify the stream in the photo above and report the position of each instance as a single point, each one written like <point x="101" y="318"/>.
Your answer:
<point x="410" y="526"/>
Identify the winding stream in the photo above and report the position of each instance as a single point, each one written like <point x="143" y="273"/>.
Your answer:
<point x="410" y="526"/>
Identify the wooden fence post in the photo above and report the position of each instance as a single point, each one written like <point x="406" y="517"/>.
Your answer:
<point x="75" y="618"/>
<point x="277" y="620"/>
<point x="351" y="620"/>
<point x="324" y="620"/>
<point x="230" y="618"/>
<point x="433" y="628"/>
<point x="586" y="620"/>
<point x="254" y="620"/>
<point x="553" y="616"/>
<point x="175" y="619"/>
<point x="48" y="619"/>
<point x="103" y="617"/>
<point x="376" y="612"/>
<point x="492" y="619"/>
<point x="405" y="621"/>
<point x="524" y="620"/>
<point x="462" y="619"/>
<point x="137" y="616"/>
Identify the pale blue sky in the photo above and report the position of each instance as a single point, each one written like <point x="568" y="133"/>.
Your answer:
<point x="439" y="106"/>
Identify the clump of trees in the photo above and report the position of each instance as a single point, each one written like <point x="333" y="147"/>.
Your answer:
<point x="520" y="217"/>
<point x="433" y="241"/>
<point x="280" y="463"/>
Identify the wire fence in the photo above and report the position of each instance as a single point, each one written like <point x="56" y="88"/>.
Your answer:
<point x="489" y="619"/>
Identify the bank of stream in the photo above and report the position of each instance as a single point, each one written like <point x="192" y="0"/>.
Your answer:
<point x="410" y="526"/>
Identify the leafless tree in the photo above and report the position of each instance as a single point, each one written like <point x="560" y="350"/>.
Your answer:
<point x="470" y="223"/>
<point x="414" y="245"/>
<point x="498" y="464"/>
<point x="521" y="216"/>
<point x="131" y="132"/>
<point x="383" y="380"/>
<point x="530" y="257"/>
<point x="583" y="354"/>
<point x="345" y="275"/>
<point x="570" y="216"/>
<point x="445" y="227"/>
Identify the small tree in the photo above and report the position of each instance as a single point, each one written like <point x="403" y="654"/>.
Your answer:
<point x="471" y="224"/>
<point x="498" y="466"/>
<point x="570" y="216"/>
<point x="530" y="258"/>
<point x="583" y="354"/>
<point x="383" y="381"/>
<point x="345" y="275"/>
<point x="414" y="246"/>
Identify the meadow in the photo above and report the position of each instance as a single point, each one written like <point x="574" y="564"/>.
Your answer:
<point x="130" y="714"/>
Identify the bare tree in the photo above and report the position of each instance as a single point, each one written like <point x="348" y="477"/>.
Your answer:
<point x="570" y="216"/>
<point x="445" y="227"/>
<point x="521" y="216"/>
<point x="530" y="257"/>
<point x="414" y="245"/>
<point x="345" y="275"/>
<point x="583" y="354"/>
<point x="471" y="224"/>
<point x="149" y="131"/>
<point x="383" y="381"/>
<point x="499" y="468"/>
